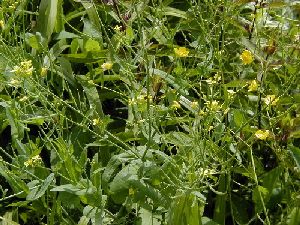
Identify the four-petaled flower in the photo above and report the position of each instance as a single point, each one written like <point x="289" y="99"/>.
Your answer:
<point x="96" y="122"/>
<point x="107" y="66"/>
<point x="262" y="135"/>
<point x="117" y="28"/>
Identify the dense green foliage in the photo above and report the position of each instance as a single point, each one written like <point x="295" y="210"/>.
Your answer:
<point x="178" y="112"/>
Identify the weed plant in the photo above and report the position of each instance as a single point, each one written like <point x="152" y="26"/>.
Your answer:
<point x="178" y="112"/>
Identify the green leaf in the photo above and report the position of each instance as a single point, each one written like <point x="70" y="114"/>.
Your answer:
<point x="35" y="41"/>
<point x="238" y="117"/>
<point x="39" y="191"/>
<point x="258" y="193"/>
<point x="112" y="167"/>
<point x="181" y="88"/>
<point x="17" y="128"/>
<point x="87" y="57"/>
<point x="74" y="46"/>
<point x="15" y="182"/>
<point x="84" y="220"/>
<point x="294" y="217"/>
<point x="7" y="219"/>
<point x="47" y="17"/>
<point x="186" y="209"/>
<point x="207" y="221"/>
<point x="295" y="152"/>
<point x="178" y="139"/>
<point x="66" y="70"/>
<point x="70" y="188"/>
<point x="92" y="26"/>
<point x="220" y="207"/>
<point x="37" y="120"/>
<point x="170" y="11"/>
<point x="236" y="83"/>
<point x="92" y="45"/>
<point x="152" y="193"/>
<point x="122" y="179"/>
<point x="129" y="35"/>
<point x="64" y="35"/>
<point x="148" y="218"/>
<point x="240" y="214"/>
<point x="92" y="95"/>
<point x="272" y="179"/>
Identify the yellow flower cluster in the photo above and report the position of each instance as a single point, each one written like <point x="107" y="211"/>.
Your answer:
<point x="181" y="52"/>
<point x="35" y="160"/>
<point x="253" y="86"/>
<point x="214" y="80"/>
<point x="24" y="69"/>
<point x="213" y="105"/>
<point x="271" y="100"/>
<point x="194" y="105"/>
<point x="14" y="82"/>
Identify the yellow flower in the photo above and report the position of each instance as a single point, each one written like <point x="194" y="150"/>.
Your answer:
<point x="262" y="135"/>
<point x="230" y="92"/>
<point x="213" y="105"/>
<point x="131" y="191"/>
<point x="28" y="163"/>
<point x="246" y="57"/>
<point x="117" y="28"/>
<point x="211" y="81"/>
<point x="201" y="113"/>
<point x="1" y="24"/>
<point x="44" y="71"/>
<point x="36" y="158"/>
<point x="253" y="86"/>
<point x="194" y="105"/>
<point x="271" y="100"/>
<point x="107" y="66"/>
<point x="131" y="101"/>
<point x="14" y="82"/>
<point x="96" y="122"/>
<point x="175" y="105"/>
<point x="217" y="77"/>
<point x="23" y="99"/>
<point x="181" y="52"/>
<point x="91" y="82"/>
